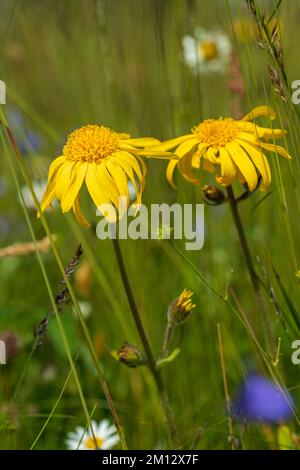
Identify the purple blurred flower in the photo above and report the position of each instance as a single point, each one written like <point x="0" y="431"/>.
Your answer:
<point x="27" y="140"/>
<point x="260" y="400"/>
<point x="4" y="228"/>
<point x="31" y="143"/>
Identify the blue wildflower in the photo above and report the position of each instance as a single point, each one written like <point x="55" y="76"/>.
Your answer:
<point x="260" y="400"/>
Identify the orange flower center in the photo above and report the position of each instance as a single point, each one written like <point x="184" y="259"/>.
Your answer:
<point x="208" y="49"/>
<point x="92" y="443"/>
<point x="91" y="143"/>
<point x="216" y="132"/>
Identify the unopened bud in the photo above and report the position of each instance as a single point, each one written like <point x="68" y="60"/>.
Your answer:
<point x="212" y="195"/>
<point x="181" y="307"/>
<point x="130" y="356"/>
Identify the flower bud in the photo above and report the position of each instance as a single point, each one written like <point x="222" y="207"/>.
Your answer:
<point x="181" y="307"/>
<point x="212" y="195"/>
<point x="130" y="356"/>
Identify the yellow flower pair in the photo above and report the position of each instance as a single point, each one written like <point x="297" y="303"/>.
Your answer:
<point x="107" y="161"/>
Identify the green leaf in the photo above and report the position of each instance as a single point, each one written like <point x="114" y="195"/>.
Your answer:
<point x="284" y="437"/>
<point x="170" y="358"/>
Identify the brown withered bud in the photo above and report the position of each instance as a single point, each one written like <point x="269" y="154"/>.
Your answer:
<point x="212" y="195"/>
<point x="130" y="355"/>
<point x="276" y="82"/>
<point x="10" y="343"/>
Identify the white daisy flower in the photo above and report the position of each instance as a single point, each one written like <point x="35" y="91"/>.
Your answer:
<point x="105" y="436"/>
<point x="39" y="189"/>
<point x="85" y="307"/>
<point x="207" y="51"/>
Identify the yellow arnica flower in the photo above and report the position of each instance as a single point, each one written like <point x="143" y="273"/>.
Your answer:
<point x="106" y="161"/>
<point x="235" y="149"/>
<point x="181" y="307"/>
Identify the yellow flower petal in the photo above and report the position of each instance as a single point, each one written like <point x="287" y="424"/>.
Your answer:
<point x="130" y="160"/>
<point x="143" y="142"/>
<point x="119" y="178"/>
<point x="55" y="165"/>
<point x="123" y="135"/>
<point x="244" y="164"/>
<point x="252" y="137"/>
<point x="276" y="149"/>
<point x="196" y="158"/>
<point x="169" y="173"/>
<point x="228" y="168"/>
<point x="129" y="164"/>
<point x="186" y="169"/>
<point x="93" y="186"/>
<point x="127" y="147"/>
<point x="51" y="187"/>
<point x="265" y="133"/>
<point x="261" y="132"/>
<point x="153" y="153"/>
<point x="260" y="161"/>
<point x="213" y="155"/>
<point x="71" y="192"/>
<point x="79" y="215"/>
<point x="107" y="183"/>
<point x="260" y="111"/>
<point x="144" y="172"/>
<point x="49" y="194"/>
<point x="172" y="143"/>
<point x="63" y="178"/>
<point x="186" y="147"/>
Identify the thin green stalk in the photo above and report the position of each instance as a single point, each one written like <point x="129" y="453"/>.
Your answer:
<point x="53" y="409"/>
<point x="167" y="339"/>
<point x="24" y="371"/>
<point x="275" y="11"/>
<point x="54" y="306"/>
<point x="245" y="322"/>
<point x="146" y="345"/>
<point x="250" y="266"/>
<point x="67" y="282"/>
<point x="225" y="385"/>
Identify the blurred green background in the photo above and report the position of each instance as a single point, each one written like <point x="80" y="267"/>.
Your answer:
<point x="120" y="63"/>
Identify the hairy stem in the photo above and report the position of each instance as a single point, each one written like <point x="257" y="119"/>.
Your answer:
<point x="147" y="347"/>
<point x="167" y="339"/>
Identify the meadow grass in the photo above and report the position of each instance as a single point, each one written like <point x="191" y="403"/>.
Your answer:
<point x="120" y="63"/>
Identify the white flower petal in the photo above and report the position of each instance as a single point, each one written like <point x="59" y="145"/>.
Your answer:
<point x="103" y="426"/>
<point x="111" y="442"/>
<point x="111" y="430"/>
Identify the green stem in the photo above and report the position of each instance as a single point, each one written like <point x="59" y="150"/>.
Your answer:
<point x="158" y="379"/>
<point x="167" y="339"/>
<point x="250" y="266"/>
<point x="242" y="237"/>
<point x="275" y="11"/>
<point x="102" y="380"/>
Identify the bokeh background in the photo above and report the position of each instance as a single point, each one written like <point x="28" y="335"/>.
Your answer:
<point x="120" y="63"/>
